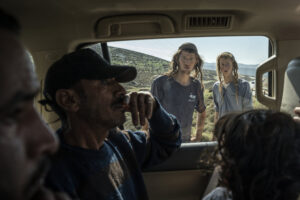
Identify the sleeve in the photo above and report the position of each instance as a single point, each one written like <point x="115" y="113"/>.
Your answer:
<point x="247" y="97"/>
<point x="218" y="193"/>
<point x="165" y="137"/>
<point x="156" y="90"/>
<point x="164" y="140"/>
<point x="200" y="107"/>
<point x="215" y="94"/>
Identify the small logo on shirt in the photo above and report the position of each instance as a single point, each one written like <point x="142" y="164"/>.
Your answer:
<point x="192" y="98"/>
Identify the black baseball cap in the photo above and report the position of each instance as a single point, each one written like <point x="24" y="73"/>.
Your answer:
<point x="82" y="64"/>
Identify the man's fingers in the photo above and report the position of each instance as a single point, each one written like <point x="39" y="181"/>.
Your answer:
<point x="297" y="119"/>
<point x="134" y="108"/>
<point x="141" y="107"/>
<point x="297" y="111"/>
<point x="149" y="100"/>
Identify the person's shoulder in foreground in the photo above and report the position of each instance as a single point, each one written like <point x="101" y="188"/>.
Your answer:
<point x="26" y="142"/>
<point x="219" y="193"/>
<point x="94" y="153"/>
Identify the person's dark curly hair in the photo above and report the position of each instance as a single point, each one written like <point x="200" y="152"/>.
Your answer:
<point x="260" y="155"/>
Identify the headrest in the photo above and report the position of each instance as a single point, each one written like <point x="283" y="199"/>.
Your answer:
<point x="291" y="87"/>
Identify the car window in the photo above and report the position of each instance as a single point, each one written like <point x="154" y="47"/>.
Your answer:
<point x="152" y="58"/>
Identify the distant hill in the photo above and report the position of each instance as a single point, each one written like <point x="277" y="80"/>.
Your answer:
<point x="149" y="67"/>
<point x="244" y="69"/>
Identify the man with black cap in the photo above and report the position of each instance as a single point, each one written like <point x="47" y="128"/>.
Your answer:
<point x="96" y="160"/>
<point x="180" y="92"/>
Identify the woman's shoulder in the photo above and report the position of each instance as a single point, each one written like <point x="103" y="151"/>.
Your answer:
<point x="216" y="84"/>
<point x="219" y="193"/>
<point x="243" y="82"/>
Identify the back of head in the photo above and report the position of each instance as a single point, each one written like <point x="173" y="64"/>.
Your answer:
<point x="260" y="155"/>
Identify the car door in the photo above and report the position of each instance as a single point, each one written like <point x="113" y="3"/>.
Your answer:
<point x="183" y="176"/>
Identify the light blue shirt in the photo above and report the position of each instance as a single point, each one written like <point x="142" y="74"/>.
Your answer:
<point x="228" y="103"/>
<point x="219" y="193"/>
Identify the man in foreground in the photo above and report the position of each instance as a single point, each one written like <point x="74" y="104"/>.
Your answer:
<point x="25" y="141"/>
<point x="96" y="160"/>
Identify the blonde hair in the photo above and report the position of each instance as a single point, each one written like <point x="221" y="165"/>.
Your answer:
<point x="228" y="55"/>
<point x="197" y="71"/>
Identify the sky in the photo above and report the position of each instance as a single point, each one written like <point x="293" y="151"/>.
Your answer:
<point x="246" y="49"/>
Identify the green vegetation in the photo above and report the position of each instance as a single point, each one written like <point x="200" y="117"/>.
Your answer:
<point x="149" y="67"/>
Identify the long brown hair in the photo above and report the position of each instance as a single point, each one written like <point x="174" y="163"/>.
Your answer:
<point x="174" y="65"/>
<point x="228" y="55"/>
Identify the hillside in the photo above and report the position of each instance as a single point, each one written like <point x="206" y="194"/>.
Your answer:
<point x="148" y="67"/>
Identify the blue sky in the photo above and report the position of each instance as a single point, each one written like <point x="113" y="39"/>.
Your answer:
<point x="246" y="49"/>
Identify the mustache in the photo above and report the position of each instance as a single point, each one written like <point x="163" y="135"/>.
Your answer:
<point x="37" y="176"/>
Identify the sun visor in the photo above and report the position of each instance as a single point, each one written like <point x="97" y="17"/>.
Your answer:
<point x="134" y="26"/>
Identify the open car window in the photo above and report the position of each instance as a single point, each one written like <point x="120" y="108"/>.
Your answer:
<point x="152" y="58"/>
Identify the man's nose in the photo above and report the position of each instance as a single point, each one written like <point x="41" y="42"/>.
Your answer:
<point x="42" y="141"/>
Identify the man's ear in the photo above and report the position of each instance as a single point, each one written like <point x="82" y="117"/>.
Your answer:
<point x="67" y="99"/>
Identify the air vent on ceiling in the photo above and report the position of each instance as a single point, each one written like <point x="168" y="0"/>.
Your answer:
<point x="204" y="21"/>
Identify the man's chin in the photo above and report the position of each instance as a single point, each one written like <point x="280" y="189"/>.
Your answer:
<point x="187" y="71"/>
<point x="121" y="121"/>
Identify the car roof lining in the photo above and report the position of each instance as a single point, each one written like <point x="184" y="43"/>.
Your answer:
<point x="70" y="22"/>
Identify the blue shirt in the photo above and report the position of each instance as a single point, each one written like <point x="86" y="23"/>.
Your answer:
<point x="180" y="100"/>
<point x="114" y="171"/>
<point x="219" y="193"/>
<point x="227" y="102"/>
